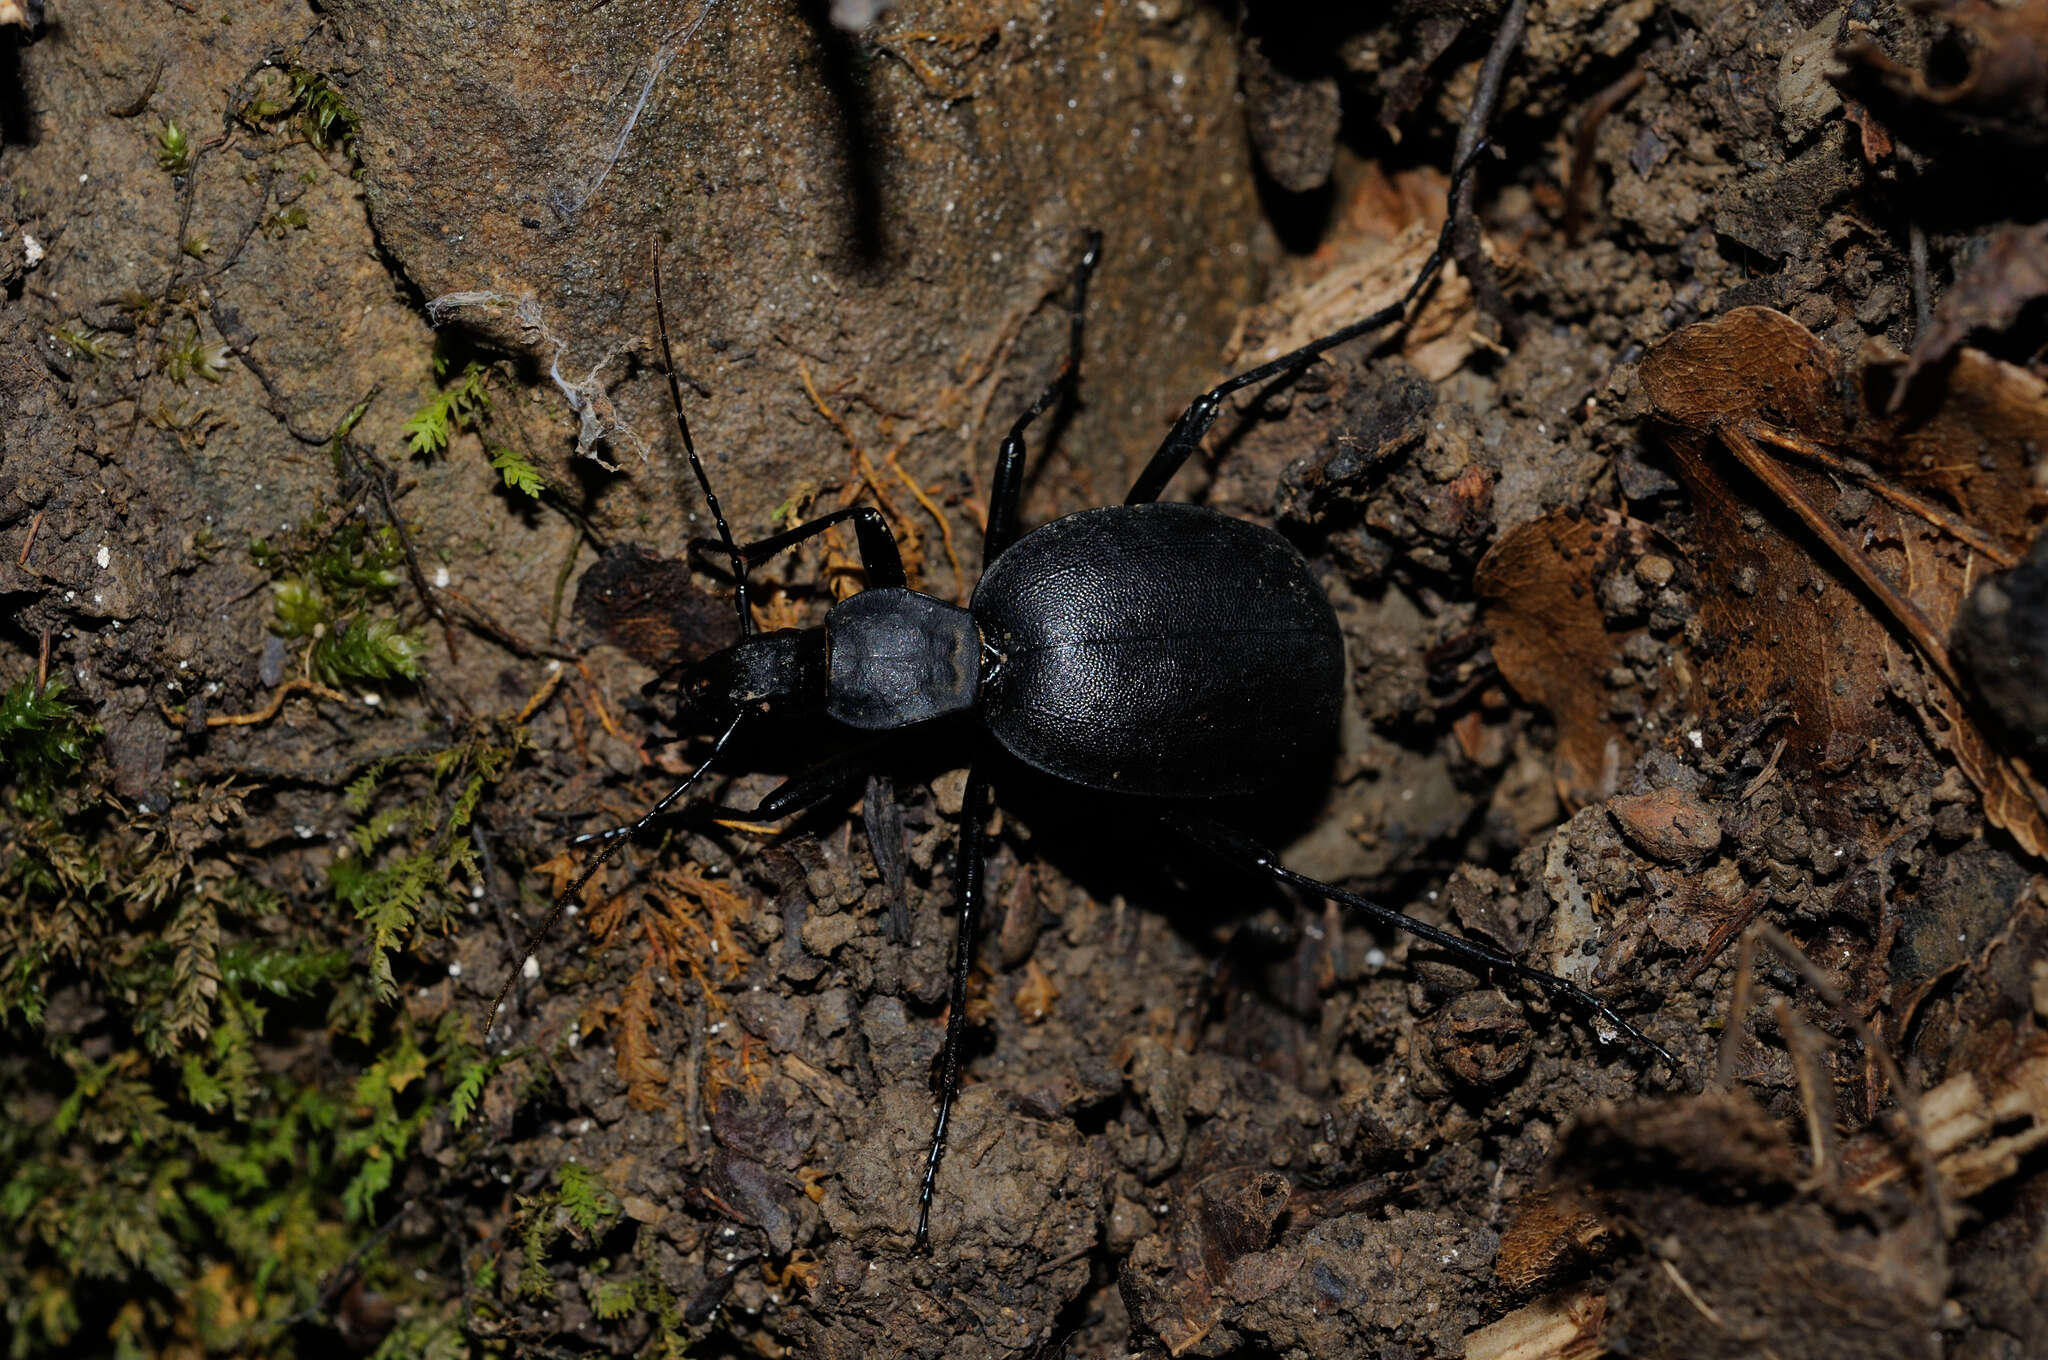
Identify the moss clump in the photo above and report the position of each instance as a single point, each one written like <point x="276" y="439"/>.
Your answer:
<point x="173" y="148"/>
<point x="206" y="1100"/>
<point x="306" y="102"/>
<point x="407" y="856"/>
<point x="43" y="742"/>
<point x="329" y="590"/>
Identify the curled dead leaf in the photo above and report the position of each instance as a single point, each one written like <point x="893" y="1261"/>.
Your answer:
<point x="1539" y="588"/>
<point x="1806" y="577"/>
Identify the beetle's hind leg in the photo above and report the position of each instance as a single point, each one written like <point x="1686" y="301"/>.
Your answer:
<point x="1230" y="844"/>
<point x="974" y="816"/>
<point x="1009" y="482"/>
<point x="1187" y="432"/>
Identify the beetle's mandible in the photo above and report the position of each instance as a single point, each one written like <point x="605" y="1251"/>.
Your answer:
<point x="1162" y="651"/>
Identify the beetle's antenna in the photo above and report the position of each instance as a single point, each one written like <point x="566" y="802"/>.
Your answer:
<point x="610" y="842"/>
<point x="1460" y="176"/>
<point x="1187" y="432"/>
<point x="1229" y="844"/>
<point x="675" y="397"/>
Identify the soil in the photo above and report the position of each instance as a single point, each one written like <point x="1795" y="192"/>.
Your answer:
<point x="1647" y="587"/>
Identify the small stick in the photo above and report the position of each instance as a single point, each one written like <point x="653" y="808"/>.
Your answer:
<point x="1941" y="519"/>
<point x="30" y="541"/>
<point x="1465" y="248"/>
<point x="1903" y="611"/>
<point x="276" y="704"/>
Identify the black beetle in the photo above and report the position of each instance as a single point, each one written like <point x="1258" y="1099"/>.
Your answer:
<point x="1162" y="651"/>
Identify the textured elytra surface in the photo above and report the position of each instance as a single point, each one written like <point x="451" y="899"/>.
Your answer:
<point x="1160" y="650"/>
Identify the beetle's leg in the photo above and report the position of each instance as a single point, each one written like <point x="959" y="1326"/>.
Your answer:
<point x="803" y="790"/>
<point x="1187" y="432"/>
<point x="1230" y="844"/>
<point x="878" y="555"/>
<point x="609" y="843"/>
<point x="974" y="815"/>
<point x="1009" y="482"/>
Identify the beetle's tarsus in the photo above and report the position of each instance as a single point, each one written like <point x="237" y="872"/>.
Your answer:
<point x="1231" y="845"/>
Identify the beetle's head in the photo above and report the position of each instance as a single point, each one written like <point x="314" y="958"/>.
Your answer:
<point x="765" y="673"/>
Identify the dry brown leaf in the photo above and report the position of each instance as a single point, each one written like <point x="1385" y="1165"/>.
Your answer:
<point x="1777" y="624"/>
<point x="648" y="607"/>
<point x="1976" y="441"/>
<point x="1750" y="363"/>
<point x="1539" y="590"/>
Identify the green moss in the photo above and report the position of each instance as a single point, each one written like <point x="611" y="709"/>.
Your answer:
<point x="189" y="356"/>
<point x="366" y="649"/>
<point x="407" y="854"/>
<point x="307" y="102"/>
<point x="458" y="406"/>
<point x="85" y="342"/>
<point x="325" y="116"/>
<point x="214" y="1122"/>
<point x="329" y="589"/>
<point x="43" y="741"/>
<point x="173" y="148"/>
<point x="584" y="1198"/>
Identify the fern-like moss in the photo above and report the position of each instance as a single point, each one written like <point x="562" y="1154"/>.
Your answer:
<point x="519" y="474"/>
<point x="457" y="406"/>
<point x="326" y="596"/>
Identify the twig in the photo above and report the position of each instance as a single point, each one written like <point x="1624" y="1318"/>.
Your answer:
<point x="1941" y="519"/>
<point x="1738" y="1011"/>
<point x="379" y="475"/>
<point x="1763" y="776"/>
<point x="1691" y="1297"/>
<point x="1738" y="921"/>
<point x="945" y="529"/>
<point x="562" y="583"/>
<point x="542" y="694"/>
<point x="141" y="101"/>
<point x="1907" y="1098"/>
<point x="1903" y="611"/>
<point x="1803" y="1044"/>
<point x="1923" y="309"/>
<point x="30" y="541"/>
<point x="864" y="468"/>
<point x="1465" y="247"/>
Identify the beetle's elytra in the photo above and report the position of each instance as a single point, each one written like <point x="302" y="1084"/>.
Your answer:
<point x="1162" y="651"/>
